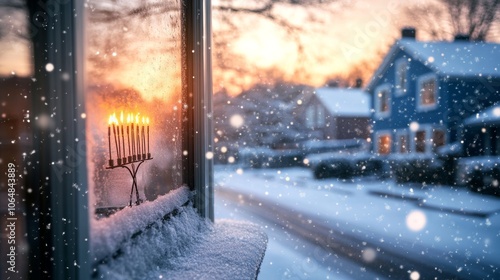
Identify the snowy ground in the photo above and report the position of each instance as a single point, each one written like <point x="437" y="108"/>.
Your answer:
<point x="362" y="226"/>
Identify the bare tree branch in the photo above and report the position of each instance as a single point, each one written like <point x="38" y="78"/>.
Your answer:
<point x="443" y="19"/>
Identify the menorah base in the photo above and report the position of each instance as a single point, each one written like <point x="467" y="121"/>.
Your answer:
<point x="133" y="172"/>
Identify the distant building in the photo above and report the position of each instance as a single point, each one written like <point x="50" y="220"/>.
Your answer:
<point x="423" y="91"/>
<point x="336" y="113"/>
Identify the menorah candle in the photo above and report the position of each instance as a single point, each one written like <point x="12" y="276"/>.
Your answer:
<point x="143" y="139"/>
<point x="128" y="139"/>
<point x="147" y="123"/>
<point x="124" y="150"/>
<point x="109" y="141"/>
<point x="116" y="141"/>
<point x="119" y="142"/>
<point x="138" y="139"/>
<point x="134" y="157"/>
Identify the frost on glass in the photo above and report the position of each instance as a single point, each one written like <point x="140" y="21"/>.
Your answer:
<point x="133" y="66"/>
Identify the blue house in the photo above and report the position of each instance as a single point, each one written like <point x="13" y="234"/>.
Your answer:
<point x="423" y="91"/>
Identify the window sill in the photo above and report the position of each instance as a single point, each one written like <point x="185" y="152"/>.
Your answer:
<point x="168" y="239"/>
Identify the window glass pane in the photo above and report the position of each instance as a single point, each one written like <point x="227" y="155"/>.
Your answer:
<point x="321" y="117"/>
<point x="133" y="73"/>
<point x="403" y="143"/>
<point x="420" y="141"/>
<point x="15" y="136"/>
<point x="428" y="95"/>
<point x="384" y="144"/>
<point x="401" y="77"/>
<point x="438" y="138"/>
<point x="383" y="101"/>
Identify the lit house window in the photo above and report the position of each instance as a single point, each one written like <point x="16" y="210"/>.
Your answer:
<point x="383" y="101"/>
<point x="401" y="76"/>
<point x="384" y="144"/>
<point x="427" y="90"/>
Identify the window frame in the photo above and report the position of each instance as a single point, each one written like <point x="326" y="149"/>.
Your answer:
<point x="421" y="80"/>
<point x="378" y="103"/>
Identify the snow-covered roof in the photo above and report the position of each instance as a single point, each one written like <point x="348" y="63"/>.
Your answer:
<point x="456" y="59"/>
<point x="345" y="102"/>
<point x="461" y="58"/>
<point x="488" y="116"/>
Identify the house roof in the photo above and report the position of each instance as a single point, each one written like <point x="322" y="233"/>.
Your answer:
<point x="346" y="102"/>
<point x="489" y="116"/>
<point x="457" y="59"/>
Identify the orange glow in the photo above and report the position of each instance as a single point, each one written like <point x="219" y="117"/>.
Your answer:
<point x="147" y="121"/>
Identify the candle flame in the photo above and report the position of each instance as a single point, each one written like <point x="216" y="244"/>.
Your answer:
<point x="128" y="118"/>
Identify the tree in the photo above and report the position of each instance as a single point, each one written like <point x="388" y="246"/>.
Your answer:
<point x="232" y="19"/>
<point x="444" y="19"/>
<point x="267" y="112"/>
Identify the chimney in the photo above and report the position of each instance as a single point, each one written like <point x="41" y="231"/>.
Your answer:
<point x="462" y="38"/>
<point x="359" y="83"/>
<point x="408" y="33"/>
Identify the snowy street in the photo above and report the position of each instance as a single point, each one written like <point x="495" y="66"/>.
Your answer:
<point x="365" y="228"/>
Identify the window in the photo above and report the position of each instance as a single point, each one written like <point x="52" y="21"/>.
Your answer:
<point x="310" y="116"/>
<point x="320" y="117"/>
<point x="401" y="76"/>
<point x="438" y="138"/>
<point x="402" y="142"/>
<point x="383" y="101"/>
<point x="134" y="69"/>
<point x="315" y="116"/>
<point x="131" y="63"/>
<point x="427" y="92"/>
<point x="420" y="141"/>
<point x="384" y="144"/>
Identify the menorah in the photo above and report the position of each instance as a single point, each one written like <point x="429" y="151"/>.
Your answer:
<point x="137" y="149"/>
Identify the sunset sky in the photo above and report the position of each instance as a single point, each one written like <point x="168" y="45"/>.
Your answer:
<point x="354" y="31"/>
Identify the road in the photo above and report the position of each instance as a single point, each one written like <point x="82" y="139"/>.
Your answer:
<point x="289" y="254"/>
<point x="326" y="251"/>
